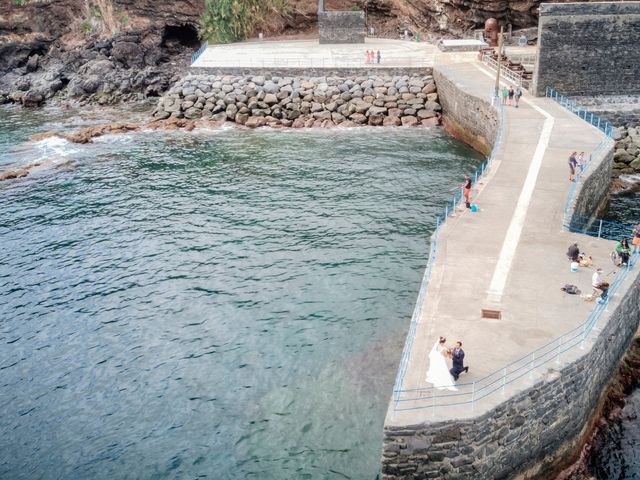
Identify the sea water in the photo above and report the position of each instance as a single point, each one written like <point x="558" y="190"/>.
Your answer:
<point x="210" y="304"/>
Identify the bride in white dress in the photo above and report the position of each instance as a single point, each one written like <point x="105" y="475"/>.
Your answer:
<point x="438" y="373"/>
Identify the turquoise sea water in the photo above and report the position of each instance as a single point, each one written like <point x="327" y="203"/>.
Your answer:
<point x="214" y="304"/>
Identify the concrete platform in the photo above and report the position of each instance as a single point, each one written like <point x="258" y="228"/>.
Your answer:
<point x="295" y="54"/>
<point x="477" y="255"/>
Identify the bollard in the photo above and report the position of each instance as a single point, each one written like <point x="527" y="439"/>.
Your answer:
<point x="600" y="229"/>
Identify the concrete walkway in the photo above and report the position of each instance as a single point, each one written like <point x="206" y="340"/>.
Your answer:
<point x="509" y="256"/>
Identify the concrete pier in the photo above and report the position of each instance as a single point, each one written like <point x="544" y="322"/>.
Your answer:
<point x="509" y="257"/>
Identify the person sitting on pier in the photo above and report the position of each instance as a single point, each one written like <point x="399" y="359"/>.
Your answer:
<point x="573" y="253"/>
<point x="600" y="285"/>
<point x="624" y="251"/>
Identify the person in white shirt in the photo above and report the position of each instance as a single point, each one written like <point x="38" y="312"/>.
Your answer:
<point x="600" y="284"/>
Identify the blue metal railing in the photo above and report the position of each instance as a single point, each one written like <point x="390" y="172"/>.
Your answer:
<point x="449" y="208"/>
<point x="198" y="52"/>
<point x="468" y="393"/>
<point x="586" y="115"/>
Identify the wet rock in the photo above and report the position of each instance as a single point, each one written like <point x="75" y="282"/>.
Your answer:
<point x="409" y="121"/>
<point x="9" y="174"/>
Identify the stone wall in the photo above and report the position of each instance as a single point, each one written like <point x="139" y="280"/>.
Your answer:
<point x="530" y="433"/>
<point x="342" y="27"/>
<point x="619" y="110"/>
<point x="468" y="118"/>
<point x="588" y="48"/>
<point x="594" y="184"/>
<point x="256" y="101"/>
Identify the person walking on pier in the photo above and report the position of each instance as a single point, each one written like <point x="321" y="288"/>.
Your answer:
<point x="378" y="57"/>
<point x="505" y="93"/>
<point x="517" y="96"/>
<point x="511" y="95"/>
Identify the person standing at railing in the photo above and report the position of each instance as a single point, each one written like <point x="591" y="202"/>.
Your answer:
<point x="367" y="58"/>
<point x="572" y="166"/>
<point x="378" y="57"/>
<point x="636" y="238"/>
<point x="582" y="163"/>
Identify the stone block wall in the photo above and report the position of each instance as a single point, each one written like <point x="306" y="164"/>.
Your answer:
<point x="588" y="48"/>
<point x="619" y="110"/>
<point x="342" y="27"/>
<point x="323" y="101"/>
<point x="468" y="118"/>
<point x="532" y="432"/>
<point x="594" y="187"/>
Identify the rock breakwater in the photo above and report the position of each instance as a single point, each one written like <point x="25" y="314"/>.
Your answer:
<point x="256" y="101"/>
<point x="626" y="159"/>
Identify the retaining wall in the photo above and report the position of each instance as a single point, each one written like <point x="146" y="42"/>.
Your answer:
<point x="588" y="48"/>
<point x="535" y="431"/>
<point x="466" y="117"/>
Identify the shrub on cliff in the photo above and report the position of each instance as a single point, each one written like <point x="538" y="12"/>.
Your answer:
<point x="226" y="21"/>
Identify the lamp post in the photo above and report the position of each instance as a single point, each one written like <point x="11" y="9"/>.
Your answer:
<point x="500" y="44"/>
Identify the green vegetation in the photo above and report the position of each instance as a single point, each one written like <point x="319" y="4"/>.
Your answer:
<point x="226" y="21"/>
<point x="355" y="8"/>
<point x="18" y="3"/>
<point x="85" y="26"/>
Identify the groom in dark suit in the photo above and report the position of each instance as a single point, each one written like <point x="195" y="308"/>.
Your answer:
<point x="457" y="357"/>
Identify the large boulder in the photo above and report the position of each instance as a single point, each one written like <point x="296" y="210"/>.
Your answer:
<point x="255" y="122"/>
<point x="409" y="121"/>
<point x="129" y="54"/>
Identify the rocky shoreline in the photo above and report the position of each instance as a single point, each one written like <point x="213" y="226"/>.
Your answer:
<point x="256" y="101"/>
<point x="626" y="159"/>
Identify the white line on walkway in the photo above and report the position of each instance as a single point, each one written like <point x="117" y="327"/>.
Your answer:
<point x="512" y="237"/>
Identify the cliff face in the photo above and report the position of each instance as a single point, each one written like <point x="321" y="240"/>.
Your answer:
<point x="112" y="49"/>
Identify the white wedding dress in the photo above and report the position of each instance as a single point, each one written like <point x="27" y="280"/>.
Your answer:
<point x="438" y="373"/>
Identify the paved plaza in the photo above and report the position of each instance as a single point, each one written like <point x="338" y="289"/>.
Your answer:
<point x="311" y="54"/>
